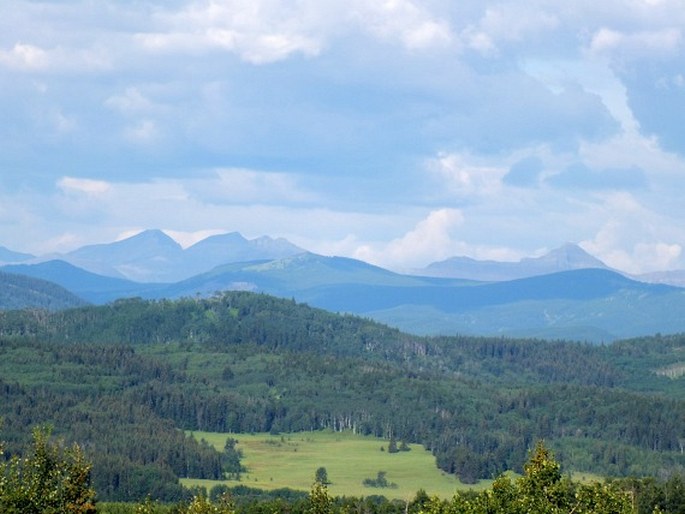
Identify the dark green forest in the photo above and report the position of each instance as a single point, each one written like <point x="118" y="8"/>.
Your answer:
<point x="125" y="381"/>
<point x="21" y="291"/>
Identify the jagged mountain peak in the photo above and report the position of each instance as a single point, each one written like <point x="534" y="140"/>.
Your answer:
<point x="154" y="256"/>
<point x="279" y="247"/>
<point x="233" y="247"/>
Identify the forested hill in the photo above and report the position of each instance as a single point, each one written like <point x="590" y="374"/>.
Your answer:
<point x="121" y="379"/>
<point x="19" y="291"/>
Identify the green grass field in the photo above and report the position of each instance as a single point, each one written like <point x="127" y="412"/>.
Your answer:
<point x="291" y="460"/>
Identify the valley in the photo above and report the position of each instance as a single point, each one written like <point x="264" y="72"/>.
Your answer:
<point x="138" y="371"/>
<point x="290" y="461"/>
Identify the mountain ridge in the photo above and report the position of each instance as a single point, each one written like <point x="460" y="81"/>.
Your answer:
<point x="588" y="303"/>
<point x="8" y="256"/>
<point x="567" y="257"/>
<point x="90" y="286"/>
<point x="136" y="258"/>
<point x="555" y="304"/>
<point x="152" y="256"/>
<point x="596" y="305"/>
<point x="21" y="292"/>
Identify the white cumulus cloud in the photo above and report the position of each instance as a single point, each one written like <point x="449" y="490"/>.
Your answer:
<point x="633" y="237"/>
<point x="259" y="31"/>
<point x="131" y="101"/>
<point x="430" y="240"/>
<point x="83" y="185"/>
<point x="143" y="132"/>
<point x="634" y="44"/>
<point x="241" y="186"/>
<point x="25" y="57"/>
<point x="403" y="20"/>
<point x="507" y="23"/>
<point x="463" y="178"/>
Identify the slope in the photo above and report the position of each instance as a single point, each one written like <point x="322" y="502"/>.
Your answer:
<point x="592" y="305"/>
<point x="586" y="304"/>
<point x="90" y="286"/>
<point x="289" y="276"/>
<point x="146" y="257"/>
<point x="19" y="291"/>
<point x="10" y="256"/>
<point x="233" y="247"/>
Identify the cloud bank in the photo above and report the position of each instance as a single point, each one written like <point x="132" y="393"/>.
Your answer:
<point x="398" y="131"/>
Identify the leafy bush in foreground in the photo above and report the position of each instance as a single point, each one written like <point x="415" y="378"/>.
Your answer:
<point x="52" y="479"/>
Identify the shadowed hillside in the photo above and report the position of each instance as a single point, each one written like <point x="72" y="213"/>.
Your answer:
<point x="18" y="292"/>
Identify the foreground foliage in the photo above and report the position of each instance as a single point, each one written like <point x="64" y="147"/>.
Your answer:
<point x="49" y="480"/>
<point x="541" y="489"/>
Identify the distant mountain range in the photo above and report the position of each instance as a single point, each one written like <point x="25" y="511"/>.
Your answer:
<point x="567" y="257"/>
<point x="566" y="293"/>
<point x="153" y="256"/>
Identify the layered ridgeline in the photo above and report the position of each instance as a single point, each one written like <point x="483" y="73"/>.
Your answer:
<point x="596" y="305"/>
<point x="122" y="379"/>
<point x="565" y="294"/>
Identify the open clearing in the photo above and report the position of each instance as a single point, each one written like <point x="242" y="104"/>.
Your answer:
<point x="291" y="460"/>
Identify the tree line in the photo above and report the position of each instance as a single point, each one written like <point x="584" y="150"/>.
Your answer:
<point x="54" y="478"/>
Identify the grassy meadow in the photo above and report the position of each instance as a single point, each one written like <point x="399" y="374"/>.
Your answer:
<point x="291" y="460"/>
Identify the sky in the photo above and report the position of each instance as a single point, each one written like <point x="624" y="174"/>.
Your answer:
<point x="400" y="132"/>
